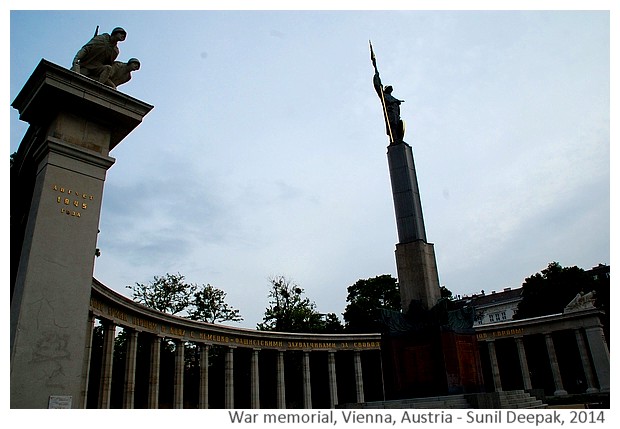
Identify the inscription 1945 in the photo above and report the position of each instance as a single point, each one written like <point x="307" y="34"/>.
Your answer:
<point x="72" y="202"/>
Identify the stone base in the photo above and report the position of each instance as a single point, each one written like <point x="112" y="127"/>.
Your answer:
<point x="417" y="274"/>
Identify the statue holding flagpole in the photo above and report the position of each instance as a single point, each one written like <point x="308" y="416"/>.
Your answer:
<point x="394" y="125"/>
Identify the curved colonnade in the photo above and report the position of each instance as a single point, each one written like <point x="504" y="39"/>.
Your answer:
<point x="113" y="310"/>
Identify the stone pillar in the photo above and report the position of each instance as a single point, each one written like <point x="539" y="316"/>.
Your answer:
<point x="154" y="373"/>
<point x="333" y="383"/>
<point x="525" y="370"/>
<point x="497" y="380"/>
<point x="415" y="258"/>
<point x="229" y="379"/>
<point x="359" y="376"/>
<point x="600" y="355"/>
<point x="179" y="373"/>
<point x="203" y="394"/>
<point x="105" y="385"/>
<point x="87" y="357"/>
<point x="585" y="361"/>
<point x="307" y="387"/>
<point x="555" y="368"/>
<point x="281" y="386"/>
<point x="57" y="183"/>
<point x="130" y="369"/>
<point x="255" y="382"/>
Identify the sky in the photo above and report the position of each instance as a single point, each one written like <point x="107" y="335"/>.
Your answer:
<point x="265" y="153"/>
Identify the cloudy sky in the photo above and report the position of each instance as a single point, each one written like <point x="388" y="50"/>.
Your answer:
<point x="265" y="153"/>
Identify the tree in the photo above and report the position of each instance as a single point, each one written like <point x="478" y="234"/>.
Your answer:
<point x="289" y="310"/>
<point x="169" y="293"/>
<point x="209" y="305"/>
<point x="549" y="291"/>
<point x="365" y="298"/>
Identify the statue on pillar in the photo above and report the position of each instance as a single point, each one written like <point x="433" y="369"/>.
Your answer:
<point x="394" y="125"/>
<point x="97" y="59"/>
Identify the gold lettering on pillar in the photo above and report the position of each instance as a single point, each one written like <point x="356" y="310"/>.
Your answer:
<point x="72" y="202"/>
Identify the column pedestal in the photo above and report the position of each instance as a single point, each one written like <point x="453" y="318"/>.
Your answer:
<point x="56" y="190"/>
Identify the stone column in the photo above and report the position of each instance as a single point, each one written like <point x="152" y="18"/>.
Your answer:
<point x="179" y="373"/>
<point x="130" y="369"/>
<point x="525" y="370"/>
<point x="333" y="383"/>
<point x="600" y="355"/>
<point x="56" y="185"/>
<point x="359" y="377"/>
<point x="281" y="386"/>
<point x="555" y="368"/>
<point x="229" y="379"/>
<point x="255" y="382"/>
<point x="154" y="373"/>
<point x="203" y="394"/>
<point x="585" y="361"/>
<point x="105" y="385"/>
<point x="87" y="357"/>
<point x="307" y="387"/>
<point x="497" y="380"/>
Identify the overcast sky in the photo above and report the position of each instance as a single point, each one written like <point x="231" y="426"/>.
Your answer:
<point x="265" y="153"/>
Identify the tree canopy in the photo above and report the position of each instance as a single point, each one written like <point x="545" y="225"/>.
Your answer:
<point x="550" y="290"/>
<point x="290" y="311"/>
<point x="172" y="294"/>
<point x="365" y="298"/>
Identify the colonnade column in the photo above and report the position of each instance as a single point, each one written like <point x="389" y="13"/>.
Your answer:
<point x="229" y="381"/>
<point x="359" y="377"/>
<point x="105" y="385"/>
<point x="497" y="381"/>
<point x="600" y="355"/>
<point x="307" y="387"/>
<point x="555" y="368"/>
<point x="254" y="386"/>
<point x="154" y="373"/>
<point x="585" y="362"/>
<point x="130" y="369"/>
<point x="333" y="385"/>
<point x="179" y="372"/>
<point x="281" y="386"/>
<point x="203" y="394"/>
<point x="525" y="370"/>
<point x="87" y="356"/>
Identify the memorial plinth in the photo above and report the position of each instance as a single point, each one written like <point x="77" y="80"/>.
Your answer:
<point x="57" y="183"/>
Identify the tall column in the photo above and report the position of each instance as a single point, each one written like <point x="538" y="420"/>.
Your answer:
<point x="307" y="387"/>
<point x="105" y="385"/>
<point x="130" y="369"/>
<point x="87" y="357"/>
<point x="600" y="355"/>
<point x="359" y="377"/>
<point x="281" y="386"/>
<point x="229" y="379"/>
<point x="255" y="383"/>
<point x="179" y="373"/>
<point x="585" y="362"/>
<point x="203" y="394"/>
<point x="497" y="380"/>
<point x="525" y="370"/>
<point x="415" y="258"/>
<point x="555" y="367"/>
<point x="56" y="185"/>
<point x="333" y="383"/>
<point x="154" y="372"/>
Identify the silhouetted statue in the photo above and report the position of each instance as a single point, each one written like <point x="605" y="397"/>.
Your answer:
<point x="121" y="72"/>
<point x="394" y="126"/>
<point x="97" y="57"/>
